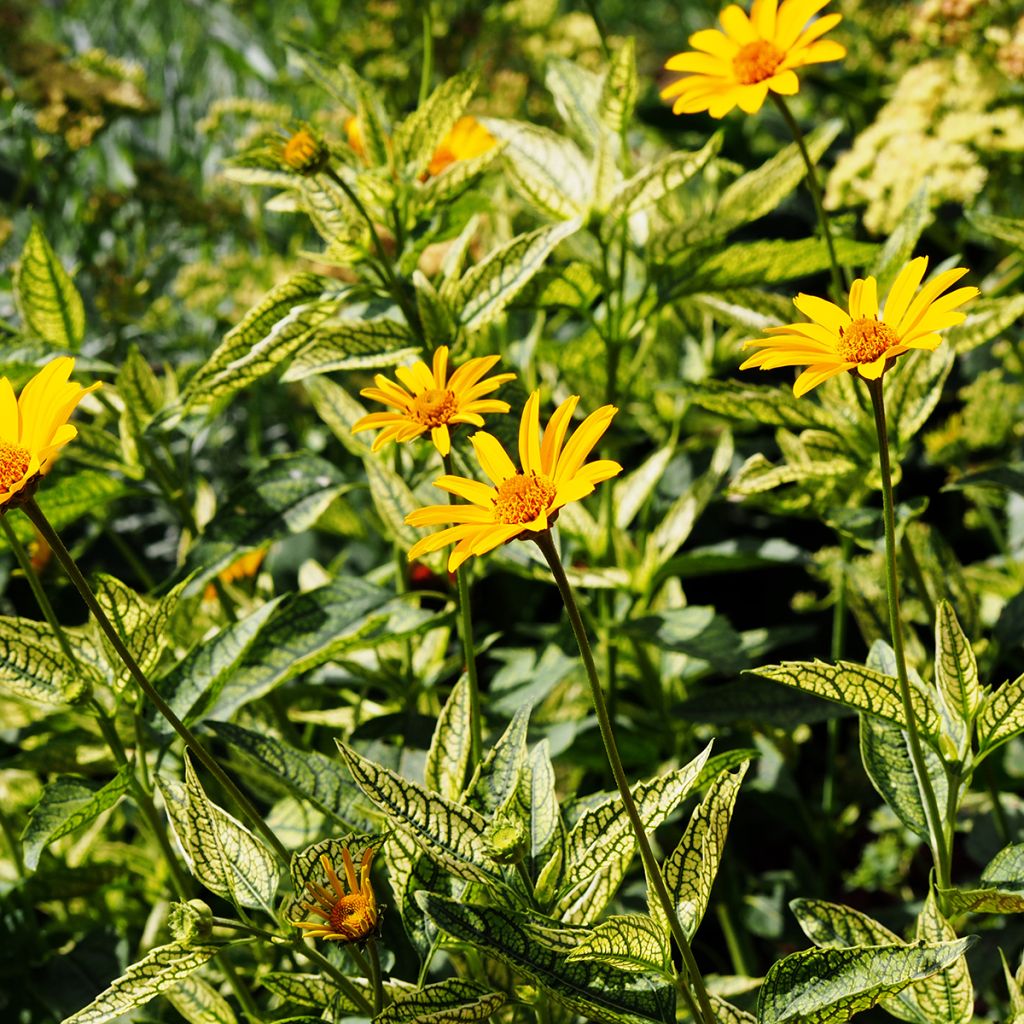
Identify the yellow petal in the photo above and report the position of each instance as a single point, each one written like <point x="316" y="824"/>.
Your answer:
<point x="751" y="97"/>
<point x="823" y="312"/>
<point x="472" y="490"/>
<point x="699" y="63"/>
<point x="821" y="52"/>
<point x="792" y="16"/>
<point x="902" y="291"/>
<point x="582" y="442"/>
<point x="815" y="375"/>
<point x="762" y="17"/>
<point x="10" y="429"/>
<point x="551" y="447"/>
<point x="441" y="438"/>
<point x="529" y="435"/>
<point x="785" y="83"/>
<point x="493" y="459"/>
<point x="441" y="367"/>
<point x="710" y="40"/>
<point x="925" y="297"/>
<point x="737" y="25"/>
<point x="873" y="370"/>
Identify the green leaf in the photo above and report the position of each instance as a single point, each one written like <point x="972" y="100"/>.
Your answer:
<point x="156" y="971"/>
<point x="592" y="990"/>
<point x="619" y="90"/>
<point x="436" y="312"/>
<point x="695" y="630"/>
<point x="601" y="845"/>
<point x="448" y="757"/>
<point x="828" y="986"/>
<point x="392" y="499"/>
<point x="1001" y="716"/>
<point x="305" y="773"/>
<point x="450" y="833"/>
<point x="287" y="494"/>
<point x="956" y="673"/>
<point x="221" y="852"/>
<point x="67" y="804"/>
<point x="352" y="345"/>
<point x="496" y="778"/>
<point x="47" y="298"/>
<point x="446" y="1002"/>
<point x="1007" y="866"/>
<point x="691" y="869"/>
<point x="546" y="169"/>
<point x="200" y="1003"/>
<point x="442" y="188"/>
<point x="538" y="807"/>
<point x="900" y="245"/>
<point x="946" y="997"/>
<point x="857" y="687"/>
<point x="631" y="942"/>
<point x="576" y="92"/>
<point x="332" y="212"/>
<point x="32" y="665"/>
<point x="1007" y="229"/>
<point x="305" y="989"/>
<point x="983" y="901"/>
<point x="140" y="390"/>
<point x="834" y="926"/>
<point x="986" y="319"/>
<point x="726" y="1013"/>
<point x="267" y="335"/>
<point x="914" y="392"/>
<point x="419" y="135"/>
<point x="771" y="406"/>
<point x="487" y="288"/>
<point x="411" y="871"/>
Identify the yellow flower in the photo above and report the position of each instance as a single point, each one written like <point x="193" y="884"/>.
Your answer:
<point x="864" y="339"/>
<point x="304" y="153"/>
<point x="34" y="428"/>
<point x="433" y="400"/>
<point x="345" y="916"/>
<point x="354" y="133"/>
<point x="242" y="568"/>
<point x="521" y="501"/>
<point x="753" y="55"/>
<point x="467" y="138"/>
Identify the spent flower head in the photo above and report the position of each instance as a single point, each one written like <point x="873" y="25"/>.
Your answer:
<point x="864" y="338"/>
<point x="520" y="501"/>
<point x="755" y="54"/>
<point x="345" y="915"/>
<point x="34" y="427"/>
<point x="432" y="400"/>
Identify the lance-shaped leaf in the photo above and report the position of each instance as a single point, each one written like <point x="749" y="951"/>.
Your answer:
<point x="353" y="344"/>
<point x="631" y="942"/>
<point x="774" y="407"/>
<point x="450" y="833"/>
<point x="141" y="392"/>
<point x="66" y="804"/>
<point x="305" y="773"/>
<point x="267" y="335"/>
<point x="451" y="1001"/>
<point x="420" y="134"/>
<point x="726" y="1013"/>
<point x="986" y="319"/>
<point x="601" y="845"/>
<point x="285" y="495"/>
<point x="331" y="211"/>
<point x="546" y="169"/>
<point x="901" y="244"/>
<point x="410" y="870"/>
<point x="857" y="687"/>
<point x="956" y="673"/>
<point x="949" y="995"/>
<point x="489" y="286"/>
<point x="577" y="93"/>
<point x="619" y="90"/>
<point x="1001" y="716"/>
<point x="538" y="807"/>
<point x="312" y="990"/>
<point x="497" y="777"/>
<point x="222" y="853"/>
<point x="392" y="498"/>
<point x="917" y="393"/>
<point x="448" y="756"/>
<point x="691" y="869"/>
<point x="156" y="971"/>
<point x="1003" y="878"/>
<point x="32" y="665"/>
<point x="47" y="298"/>
<point x="199" y="1002"/>
<point x="829" y="986"/>
<point x="886" y="755"/>
<point x="593" y="990"/>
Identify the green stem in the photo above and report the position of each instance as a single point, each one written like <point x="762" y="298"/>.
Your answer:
<point x="828" y="789"/>
<point x="336" y="976"/>
<point x="427" y="69"/>
<point x="839" y="279"/>
<point x="42" y="524"/>
<point x="375" y="977"/>
<point x="465" y="621"/>
<point x="935" y="830"/>
<point x="704" y="1011"/>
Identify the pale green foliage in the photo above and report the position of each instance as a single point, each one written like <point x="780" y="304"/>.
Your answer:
<point x="48" y="300"/>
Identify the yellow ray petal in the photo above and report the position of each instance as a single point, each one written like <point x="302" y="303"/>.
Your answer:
<point x="582" y="442"/>
<point x="710" y="40"/>
<point x="762" y="17"/>
<point x="751" y="97"/>
<point x="815" y="375"/>
<point x="441" y="367"/>
<point x="823" y="312"/>
<point x="737" y="25"/>
<point x="785" y="83"/>
<point x="792" y="17"/>
<point x="493" y="459"/>
<point x="902" y="291"/>
<point x="472" y="490"/>
<point x="10" y="429"/>
<point x="441" y="438"/>
<point x="699" y="63"/>
<point x="529" y="435"/>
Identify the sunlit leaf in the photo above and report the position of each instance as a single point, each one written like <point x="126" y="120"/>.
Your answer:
<point x="47" y="298"/>
<point x="446" y="1002"/>
<point x="630" y="942"/>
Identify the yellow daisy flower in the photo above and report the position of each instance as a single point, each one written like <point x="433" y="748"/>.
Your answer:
<point x="467" y="139"/>
<point x="753" y="55"/>
<point x="354" y="134"/>
<point x="521" y="501"/>
<point x="350" y="916"/>
<point x="864" y="339"/>
<point x="34" y="428"/>
<point x="304" y="153"/>
<point x="434" y="401"/>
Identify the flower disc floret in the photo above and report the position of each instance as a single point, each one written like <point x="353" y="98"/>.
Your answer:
<point x="864" y="337"/>
<point x="752" y="56"/>
<point x="14" y="463"/>
<point x="520" y="501"/>
<point x="432" y="400"/>
<point x="304" y="153"/>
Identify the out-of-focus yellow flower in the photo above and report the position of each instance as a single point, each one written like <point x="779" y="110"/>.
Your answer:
<point x="753" y="55"/>
<point x="241" y="569"/>
<point x="34" y="428"/>
<point x="520" y="501"/>
<point x="354" y="133"/>
<point x="864" y="339"/>
<point x="467" y="139"/>
<point x="434" y="401"/>
<point x="304" y="152"/>
<point x="350" y="916"/>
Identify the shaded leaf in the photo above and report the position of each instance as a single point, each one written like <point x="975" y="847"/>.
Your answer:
<point x="446" y="1002"/>
<point x="448" y="757"/>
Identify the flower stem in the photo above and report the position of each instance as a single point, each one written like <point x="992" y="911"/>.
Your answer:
<point x="704" y="1011"/>
<point x="376" y="982"/>
<point x="839" y="280"/>
<point x="932" y="814"/>
<point x="468" y="649"/>
<point x="42" y="524"/>
<point x="339" y="979"/>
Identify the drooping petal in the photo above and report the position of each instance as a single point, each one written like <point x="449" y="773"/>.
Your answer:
<point x="442" y="439"/>
<point x="751" y="97"/>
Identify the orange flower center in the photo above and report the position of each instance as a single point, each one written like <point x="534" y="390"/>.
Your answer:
<point x="522" y="498"/>
<point x="756" y="61"/>
<point x="865" y="340"/>
<point x="434" y="407"/>
<point x="354" y="917"/>
<point x="302" y="152"/>
<point x="14" y="462"/>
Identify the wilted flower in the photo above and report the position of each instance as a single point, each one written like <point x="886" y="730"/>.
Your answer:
<point x="521" y="501"/>
<point x="863" y="339"/>
<point x="34" y="427"/>
<point x="753" y="55"/>
<point x="434" y="401"/>
<point x="350" y="916"/>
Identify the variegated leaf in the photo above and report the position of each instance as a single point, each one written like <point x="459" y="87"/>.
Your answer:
<point x="47" y="298"/>
<point x="497" y="777"/>
<point x="199" y="1002"/>
<point x="956" y="674"/>
<point x="351" y="345"/>
<point x="1001" y="716"/>
<point x="33" y="666"/>
<point x="311" y="990"/>
<point x="946" y="997"/>
<point x="448" y="757"/>
<point x="305" y="866"/>
<point x="619" y="90"/>
<point x="451" y="1001"/>
<point x="156" y="971"/>
<point x="631" y="942"/>
<point x="420" y="134"/>
<point x="538" y="807"/>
